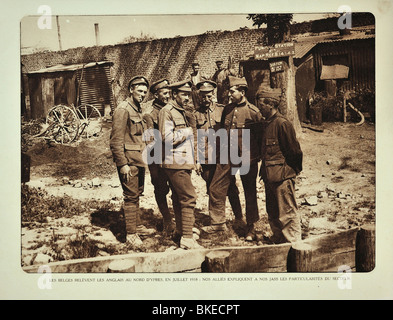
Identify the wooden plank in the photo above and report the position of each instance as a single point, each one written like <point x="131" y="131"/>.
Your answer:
<point x="300" y="258"/>
<point x="267" y="258"/>
<point x="35" y="91"/>
<point x="217" y="261"/>
<point x="121" y="266"/>
<point x="365" y="249"/>
<point x="48" y="95"/>
<point x="333" y="250"/>
<point x="174" y="261"/>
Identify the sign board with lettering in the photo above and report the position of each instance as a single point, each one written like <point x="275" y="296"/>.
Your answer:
<point x="278" y="50"/>
<point x="276" y="66"/>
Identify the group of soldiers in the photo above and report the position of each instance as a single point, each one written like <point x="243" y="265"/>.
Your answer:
<point x="215" y="140"/>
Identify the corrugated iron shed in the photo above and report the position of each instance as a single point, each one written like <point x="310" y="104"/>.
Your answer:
<point x="82" y="83"/>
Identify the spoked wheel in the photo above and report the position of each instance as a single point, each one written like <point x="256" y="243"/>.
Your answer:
<point x="63" y="124"/>
<point x="90" y="120"/>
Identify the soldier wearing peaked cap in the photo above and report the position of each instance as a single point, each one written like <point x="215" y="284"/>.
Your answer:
<point x="208" y="119"/>
<point x="127" y="145"/>
<point x="138" y="80"/>
<point x="241" y="118"/>
<point x="177" y="134"/>
<point x="161" y="92"/>
<point x="281" y="161"/>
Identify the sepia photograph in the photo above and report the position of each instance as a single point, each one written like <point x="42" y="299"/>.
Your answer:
<point x="203" y="149"/>
<point x="309" y="192"/>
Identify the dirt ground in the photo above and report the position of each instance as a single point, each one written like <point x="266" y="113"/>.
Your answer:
<point x="335" y="192"/>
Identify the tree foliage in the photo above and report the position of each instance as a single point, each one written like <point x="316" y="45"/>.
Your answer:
<point x="142" y="37"/>
<point x="278" y="26"/>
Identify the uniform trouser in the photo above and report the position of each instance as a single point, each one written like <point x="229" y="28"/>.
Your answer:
<point x="160" y="182"/>
<point x="219" y="189"/>
<point x="208" y="171"/>
<point x="132" y="190"/>
<point x="282" y="213"/>
<point x="183" y="199"/>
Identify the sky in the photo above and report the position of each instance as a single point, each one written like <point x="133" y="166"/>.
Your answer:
<point x="40" y="32"/>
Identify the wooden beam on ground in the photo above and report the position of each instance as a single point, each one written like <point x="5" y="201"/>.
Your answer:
<point x="121" y="266"/>
<point x="300" y="258"/>
<point x="265" y="258"/>
<point x="217" y="261"/>
<point x="325" y="253"/>
<point x="365" y="249"/>
<point x="174" y="261"/>
<point x="331" y="251"/>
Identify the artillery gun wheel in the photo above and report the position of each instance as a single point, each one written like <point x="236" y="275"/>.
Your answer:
<point x="62" y="124"/>
<point x="90" y="120"/>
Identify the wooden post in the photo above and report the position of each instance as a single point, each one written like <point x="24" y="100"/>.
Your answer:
<point x="300" y="258"/>
<point x="365" y="249"/>
<point x="58" y="32"/>
<point x="97" y="32"/>
<point x="121" y="266"/>
<point x="217" y="261"/>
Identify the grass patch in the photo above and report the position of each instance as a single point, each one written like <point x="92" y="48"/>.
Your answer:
<point x="37" y="205"/>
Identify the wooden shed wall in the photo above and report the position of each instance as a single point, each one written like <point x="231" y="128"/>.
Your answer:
<point x="49" y="89"/>
<point x="305" y="85"/>
<point x="361" y="59"/>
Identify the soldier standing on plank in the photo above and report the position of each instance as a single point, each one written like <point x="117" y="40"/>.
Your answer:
<point x="282" y="160"/>
<point x="126" y="144"/>
<point x="160" y="90"/>
<point x="178" y="162"/>
<point x="208" y="117"/>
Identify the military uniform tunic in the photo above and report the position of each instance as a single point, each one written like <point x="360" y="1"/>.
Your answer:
<point x="210" y="118"/>
<point x="127" y="145"/>
<point x="239" y="117"/>
<point x="178" y="162"/>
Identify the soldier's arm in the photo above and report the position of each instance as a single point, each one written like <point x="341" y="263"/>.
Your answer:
<point x="290" y="146"/>
<point x="119" y="126"/>
<point x="191" y="118"/>
<point x="149" y="131"/>
<point x="167" y="129"/>
<point x="257" y="130"/>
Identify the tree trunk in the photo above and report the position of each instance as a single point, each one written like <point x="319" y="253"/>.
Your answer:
<point x="286" y="81"/>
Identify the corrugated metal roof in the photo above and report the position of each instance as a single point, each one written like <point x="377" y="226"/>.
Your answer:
<point x="302" y="48"/>
<point x="71" y="67"/>
<point x="303" y="44"/>
<point x="352" y="36"/>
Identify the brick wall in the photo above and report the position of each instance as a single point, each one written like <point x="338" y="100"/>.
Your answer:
<point x="169" y="58"/>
